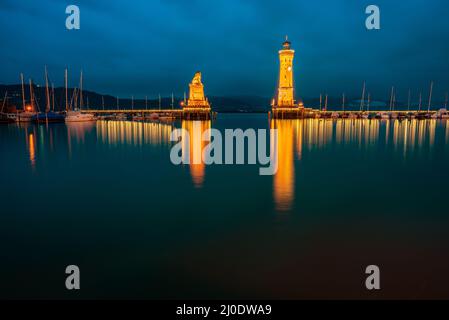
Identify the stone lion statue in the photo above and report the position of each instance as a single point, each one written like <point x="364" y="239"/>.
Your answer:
<point x="197" y="78"/>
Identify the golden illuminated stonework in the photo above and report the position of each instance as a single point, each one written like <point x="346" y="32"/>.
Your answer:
<point x="285" y="93"/>
<point x="196" y="94"/>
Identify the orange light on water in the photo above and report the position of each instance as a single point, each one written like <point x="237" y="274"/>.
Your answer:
<point x="284" y="179"/>
<point x="32" y="149"/>
<point x="196" y="144"/>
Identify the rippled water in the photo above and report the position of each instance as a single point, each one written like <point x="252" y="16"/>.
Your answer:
<point x="105" y="196"/>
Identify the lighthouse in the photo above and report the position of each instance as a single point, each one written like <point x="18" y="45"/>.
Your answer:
<point x="285" y="92"/>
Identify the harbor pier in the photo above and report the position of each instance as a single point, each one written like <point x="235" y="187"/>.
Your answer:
<point x="309" y="113"/>
<point x="175" y="114"/>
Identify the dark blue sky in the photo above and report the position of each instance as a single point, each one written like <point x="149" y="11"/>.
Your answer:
<point x="145" y="47"/>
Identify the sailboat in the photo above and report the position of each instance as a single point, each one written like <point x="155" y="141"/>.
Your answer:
<point x="394" y="115"/>
<point x="362" y="100"/>
<point x="169" y="117"/>
<point x="28" y="111"/>
<point x="366" y="115"/>
<point x="75" y="114"/>
<point x="443" y="113"/>
<point x="5" y="117"/>
<point x="48" y="115"/>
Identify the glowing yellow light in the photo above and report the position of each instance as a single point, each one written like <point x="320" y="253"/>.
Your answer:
<point x="197" y="99"/>
<point x="284" y="180"/>
<point x="196" y="144"/>
<point x="285" y="94"/>
<point x="32" y="149"/>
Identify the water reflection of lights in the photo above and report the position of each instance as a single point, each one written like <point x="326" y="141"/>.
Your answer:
<point x="296" y="135"/>
<point x="195" y="130"/>
<point x="78" y="130"/>
<point x="318" y="133"/>
<point x="32" y="149"/>
<point x="284" y="179"/>
<point x="133" y="133"/>
<point x="447" y="131"/>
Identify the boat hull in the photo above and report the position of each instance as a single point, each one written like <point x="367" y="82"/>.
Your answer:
<point x="48" y="118"/>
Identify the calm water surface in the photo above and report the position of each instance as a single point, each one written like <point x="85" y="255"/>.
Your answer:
<point x="105" y="196"/>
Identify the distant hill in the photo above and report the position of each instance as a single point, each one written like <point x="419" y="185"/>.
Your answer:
<point x="95" y="100"/>
<point x="239" y="104"/>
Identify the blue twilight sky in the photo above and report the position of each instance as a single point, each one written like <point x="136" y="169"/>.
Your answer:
<point x="146" y="47"/>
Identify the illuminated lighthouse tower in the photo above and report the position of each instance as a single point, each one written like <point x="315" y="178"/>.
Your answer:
<point x="285" y="94"/>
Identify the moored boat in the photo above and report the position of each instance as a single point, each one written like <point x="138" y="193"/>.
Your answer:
<point x="121" y="117"/>
<point x="46" y="117"/>
<point x="138" y="117"/>
<point x="442" y="114"/>
<point x="6" y="118"/>
<point x="384" y="115"/>
<point x="26" y="116"/>
<point x="78" y="116"/>
<point x="335" y="115"/>
<point x="154" y="116"/>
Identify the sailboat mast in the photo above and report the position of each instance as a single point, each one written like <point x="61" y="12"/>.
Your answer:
<point x="343" y="102"/>
<point x="369" y="100"/>
<point x="102" y="102"/>
<point x="420" y="101"/>
<point x="321" y="101"/>
<point x="53" y="95"/>
<point x="4" y="101"/>
<point x="408" y="100"/>
<point x="394" y="101"/>
<point x="362" y="101"/>
<point x="445" y="102"/>
<point x="66" y="91"/>
<point x="146" y="102"/>
<point x="391" y="98"/>
<point x="172" y="100"/>
<point x="23" y="92"/>
<point x="47" y="92"/>
<point x="160" y="102"/>
<point x="74" y="101"/>
<point x="325" y="104"/>
<point x="430" y="96"/>
<point x="81" y="90"/>
<point x="31" y="95"/>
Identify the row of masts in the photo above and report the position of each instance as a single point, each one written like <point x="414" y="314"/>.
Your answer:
<point x="50" y="95"/>
<point x="146" y="102"/>
<point x="365" y="102"/>
<point x="76" y="101"/>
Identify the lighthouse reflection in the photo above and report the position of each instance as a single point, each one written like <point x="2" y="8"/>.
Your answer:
<point x="310" y="136"/>
<point x="195" y="145"/>
<point x="288" y="143"/>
